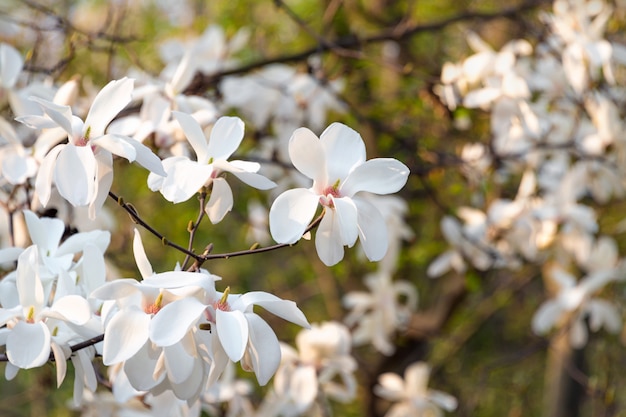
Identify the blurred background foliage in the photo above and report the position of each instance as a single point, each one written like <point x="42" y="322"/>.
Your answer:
<point x="484" y="352"/>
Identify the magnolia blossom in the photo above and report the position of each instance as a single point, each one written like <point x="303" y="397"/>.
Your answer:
<point x="82" y="169"/>
<point x="336" y="164"/>
<point x="185" y="177"/>
<point x="411" y="394"/>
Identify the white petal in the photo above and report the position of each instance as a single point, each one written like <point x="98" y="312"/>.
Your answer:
<point x="249" y="177"/>
<point x="45" y="232"/>
<point x="372" y="230"/>
<point x="184" y="179"/>
<point x="146" y="158"/>
<point x="284" y="309"/>
<point x="115" y="290"/>
<point x="291" y="213"/>
<point x="11" y="64"/>
<point x="344" y="149"/>
<point x="125" y="334"/>
<point x="74" y="174"/>
<point x="103" y="181"/>
<point x="194" y="135"/>
<point x="378" y="176"/>
<point x="174" y="320"/>
<point x="178" y="363"/>
<point x="73" y="308"/>
<point x="43" y="182"/>
<point x="62" y="115"/>
<point x="263" y="350"/>
<point x="139" y="368"/>
<point x="328" y="241"/>
<point x="220" y="201"/>
<point x="307" y="154"/>
<point x="28" y="345"/>
<point x="116" y="144"/>
<point x="232" y="329"/>
<point x="141" y="259"/>
<point x="346" y="217"/>
<point x="226" y="137"/>
<point x="107" y="104"/>
<point x="546" y="316"/>
<point x="28" y="282"/>
<point x="60" y="362"/>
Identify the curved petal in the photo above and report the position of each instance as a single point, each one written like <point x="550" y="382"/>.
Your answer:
<point x="28" y="345"/>
<point x="73" y="308"/>
<point x="545" y="317"/>
<point x="263" y="351"/>
<point x="43" y="182"/>
<point x="307" y="154"/>
<point x="194" y="134"/>
<point x="220" y="201"/>
<point x="344" y="149"/>
<point x="372" y="230"/>
<point x="225" y="138"/>
<point x="125" y="334"/>
<point x="247" y="176"/>
<point x="107" y="104"/>
<point x="44" y="232"/>
<point x="232" y="330"/>
<point x="103" y="182"/>
<point x="115" y="290"/>
<point x="146" y="158"/>
<point x="378" y="176"/>
<point x="284" y="309"/>
<point x="328" y="241"/>
<point x="291" y="213"/>
<point x="184" y="179"/>
<point x="346" y="217"/>
<point x="174" y="320"/>
<point x="75" y="173"/>
<point x="139" y="368"/>
<point x="178" y="363"/>
<point x="62" y="115"/>
<point x="141" y="259"/>
<point x="28" y="282"/>
<point x="117" y="145"/>
<point x="11" y="64"/>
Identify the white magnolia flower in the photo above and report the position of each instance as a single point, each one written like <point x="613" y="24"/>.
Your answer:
<point x="82" y="169"/>
<point x="185" y="177"/>
<point x="336" y="164"/>
<point x="411" y="394"/>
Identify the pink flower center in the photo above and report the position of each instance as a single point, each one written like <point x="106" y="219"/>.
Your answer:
<point x="330" y="191"/>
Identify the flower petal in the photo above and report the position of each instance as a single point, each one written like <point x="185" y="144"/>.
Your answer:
<point x="344" y="149"/>
<point x="238" y="168"/>
<point x="194" y="135"/>
<point x="11" y="64"/>
<point x="45" y="232"/>
<point x="284" y="309"/>
<point x="372" y="230"/>
<point x="378" y="176"/>
<point x="75" y="173"/>
<point x="146" y="158"/>
<point x="232" y="329"/>
<point x="291" y="213"/>
<point x="62" y="115"/>
<point x="174" y="320"/>
<point x="43" y="182"/>
<point x="346" y="217"/>
<point x="28" y="344"/>
<point x="125" y="334"/>
<point x="72" y="308"/>
<point x="220" y="201"/>
<point x="107" y="104"/>
<point x="141" y="259"/>
<point x="307" y="154"/>
<point x="116" y="144"/>
<point x="225" y="138"/>
<point x="328" y="241"/>
<point x="184" y="179"/>
<point x="263" y="351"/>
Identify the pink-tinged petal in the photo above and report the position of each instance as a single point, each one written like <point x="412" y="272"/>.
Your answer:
<point x="220" y="201"/>
<point x="117" y="145"/>
<point x="107" y="104"/>
<point x="125" y="334"/>
<point x="263" y="351"/>
<point x="184" y="179"/>
<point x="284" y="309"/>
<point x="28" y="282"/>
<point x="372" y="230"/>
<point x="44" y="232"/>
<point x="28" y="345"/>
<point x="307" y="155"/>
<point x="73" y="308"/>
<point x="225" y="138"/>
<point x="146" y="158"/>
<point x="232" y="330"/>
<point x="194" y="134"/>
<point x="291" y="213"/>
<point x="241" y="169"/>
<point x="377" y="176"/>
<point x="328" y="240"/>
<point x="174" y="320"/>
<point x="103" y="182"/>
<point x="141" y="259"/>
<point x="11" y="64"/>
<point x="61" y="115"/>
<point x="43" y="182"/>
<point x="344" y="149"/>
<point x="346" y="217"/>
<point x="75" y="173"/>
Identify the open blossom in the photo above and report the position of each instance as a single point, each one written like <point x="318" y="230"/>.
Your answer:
<point x="336" y="164"/>
<point x="82" y="169"/>
<point x="185" y="177"/>
<point x="411" y="394"/>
